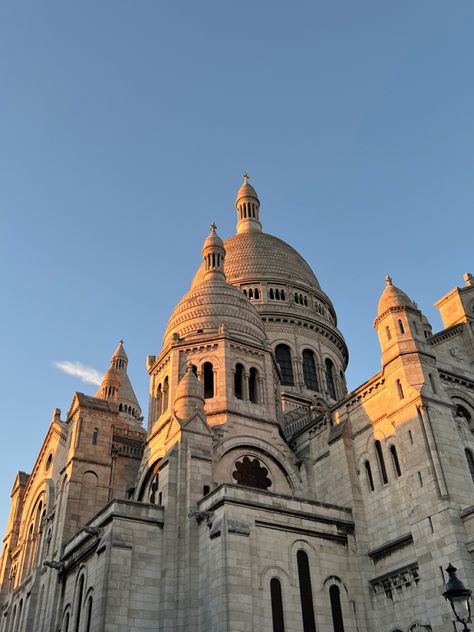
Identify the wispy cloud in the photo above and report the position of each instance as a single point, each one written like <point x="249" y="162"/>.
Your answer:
<point x="85" y="373"/>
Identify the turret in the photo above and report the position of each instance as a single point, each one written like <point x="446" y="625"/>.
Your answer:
<point x="189" y="394"/>
<point x="213" y="253"/>
<point x="399" y="324"/>
<point x="116" y="385"/>
<point x="248" y="208"/>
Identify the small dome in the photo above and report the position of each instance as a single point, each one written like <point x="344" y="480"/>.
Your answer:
<point x="213" y="240"/>
<point x="246" y="190"/>
<point x="392" y="296"/>
<point x="189" y="394"/>
<point x="211" y="305"/>
<point x="111" y="375"/>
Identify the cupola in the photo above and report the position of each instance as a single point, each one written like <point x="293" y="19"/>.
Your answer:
<point x="213" y="254"/>
<point x="248" y="208"/>
<point x="189" y="394"/>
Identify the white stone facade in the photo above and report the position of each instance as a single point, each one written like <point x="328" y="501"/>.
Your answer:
<point x="261" y="495"/>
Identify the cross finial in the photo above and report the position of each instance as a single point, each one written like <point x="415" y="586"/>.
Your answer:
<point x="245" y="176"/>
<point x="388" y="280"/>
<point x="121" y="342"/>
<point x="213" y="227"/>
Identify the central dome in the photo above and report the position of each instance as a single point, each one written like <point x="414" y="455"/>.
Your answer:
<point x="255" y="255"/>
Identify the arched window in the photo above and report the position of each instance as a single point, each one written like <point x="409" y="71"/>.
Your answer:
<point x="282" y="295"/>
<point x="256" y="293"/>
<point x="94" y="436"/>
<point x="88" y="615"/>
<point x="389" y="335"/>
<point x="463" y="412"/>
<point x="381" y="462"/>
<point x="277" y="605"/>
<point x="271" y="294"/>
<point x="238" y="381"/>
<point x="396" y="463"/>
<point x="18" y="620"/>
<point x="283" y="358"/>
<point x="335" y="598"/>
<point x="165" y="394"/>
<point x="78" y="609"/>
<point x="370" y="480"/>
<point x="400" y="325"/>
<point x="296" y="298"/>
<point x="66" y="623"/>
<point x="306" y="301"/>
<point x="306" y="592"/>
<point x="208" y="376"/>
<point x="277" y="294"/>
<point x="245" y="292"/>
<point x="250" y="293"/>
<point x="309" y="370"/>
<point x="159" y="400"/>
<point x="470" y="462"/>
<point x="401" y="394"/>
<point x="330" y="378"/>
<point x="253" y="385"/>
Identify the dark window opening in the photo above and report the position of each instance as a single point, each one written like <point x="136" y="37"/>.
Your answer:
<point x="306" y="592"/>
<point x="330" y="378"/>
<point x="94" y="436"/>
<point x="395" y="461"/>
<point x="402" y="328"/>
<point x="370" y="480"/>
<point x="309" y="370"/>
<point x="401" y="394"/>
<point x="253" y="386"/>
<point x="335" y="597"/>
<point x="389" y="335"/>
<point x="470" y="462"/>
<point x="271" y="294"/>
<point x="79" y="604"/>
<point x="208" y="376"/>
<point x="277" y="605"/>
<point x="283" y="358"/>
<point x="205" y="490"/>
<point x="256" y="293"/>
<point x="381" y="462"/>
<point x="89" y="615"/>
<point x="238" y="381"/>
<point x="282" y="295"/>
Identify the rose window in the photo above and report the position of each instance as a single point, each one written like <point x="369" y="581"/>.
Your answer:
<point x="251" y="473"/>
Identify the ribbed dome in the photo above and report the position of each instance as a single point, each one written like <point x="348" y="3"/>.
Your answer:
<point x="246" y="190"/>
<point x="256" y="255"/>
<point x="392" y="296"/>
<point x="209" y="305"/>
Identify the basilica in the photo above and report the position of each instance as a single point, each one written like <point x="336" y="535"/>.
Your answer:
<point x="259" y="494"/>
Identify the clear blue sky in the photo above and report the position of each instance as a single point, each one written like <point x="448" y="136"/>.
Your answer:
<point x="124" y="130"/>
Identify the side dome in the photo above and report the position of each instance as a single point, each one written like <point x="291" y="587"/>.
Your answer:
<point x="392" y="296"/>
<point x="213" y="304"/>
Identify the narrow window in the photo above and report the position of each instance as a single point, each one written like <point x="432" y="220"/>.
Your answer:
<point x="277" y="294"/>
<point x="402" y="328"/>
<point x="159" y="400"/>
<point x="208" y="374"/>
<point x="306" y="301"/>
<point x="395" y="461"/>
<point x="283" y="358"/>
<point x="238" y="379"/>
<point x="79" y="604"/>
<point x="296" y="298"/>
<point x="420" y="479"/>
<point x="66" y="623"/>
<point x="205" y="490"/>
<point x="335" y="597"/>
<point x="410" y="436"/>
<point x="253" y="383"/>
<point x="245" y="292"/>
<point x="370" y="480"/>
<point x="433" y="387"/>
<point x="381" y="462"/>
<point x="256" y="293"/>
<point x="277" y="605"/>
<point x="271" y="294"/>
<point x="165" y="394"/>
<point x="250" y="293"/>
<point x="94" y="436"/>
<point x="282" y="295"/>
<point x="401" y="394"/>
<point x="470" y="462"/>
<point x="389" y="334"/>
<point x="415" y="326"/>
<point x="89" y="615"/>
<point x="330" y="378"/>
<point x="306" y="592"/>
<point x="309" y="371"/>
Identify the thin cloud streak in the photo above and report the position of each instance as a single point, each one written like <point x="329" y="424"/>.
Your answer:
<point x="85" y="373"/>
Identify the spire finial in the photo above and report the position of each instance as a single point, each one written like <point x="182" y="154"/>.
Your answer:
<point x="388" y="280"/>
<point x="246" y="177"/>
<point x="213" y="227"/>
<point x="121" y="341"/>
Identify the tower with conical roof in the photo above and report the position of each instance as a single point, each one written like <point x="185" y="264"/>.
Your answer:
<point x="116" y="386"/>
